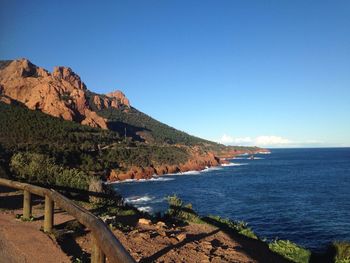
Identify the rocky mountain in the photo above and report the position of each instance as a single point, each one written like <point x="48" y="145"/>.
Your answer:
<point x="61" y="93"/>
<point x="54" y="117"/>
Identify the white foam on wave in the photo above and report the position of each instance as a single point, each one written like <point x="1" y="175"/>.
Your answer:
<point x="146" y="199"/>
<point x="209" y="169"/>
<point x="190" y="172"/>
<point x="184" y="173"/>
<point x="233" y="164"/>
<point x="248" y="158"/>
<point x="146" y="209"/>
<point x="143" y="203"/>
<point x="264" y="152"/>
<point x="138" y="199"/>
<point x="153" y="179"/>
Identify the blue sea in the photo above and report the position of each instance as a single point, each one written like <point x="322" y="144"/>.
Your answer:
<point x="298" y="194"/>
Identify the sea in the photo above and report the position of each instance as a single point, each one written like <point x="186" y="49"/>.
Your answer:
<point x="302" y="195"/>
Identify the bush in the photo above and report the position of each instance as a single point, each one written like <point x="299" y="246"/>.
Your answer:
<point x="290" y="251"/>
<point x="237" y="226"/>
<point x="179" y="211"/>
<point x="342" y="252"/>
<point x="39" y="168"/>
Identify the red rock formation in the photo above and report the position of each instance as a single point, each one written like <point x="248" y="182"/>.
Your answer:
<point x="60" y="94"/>
<point x="118" y="96"/>
<point x="111" y="101"/>
<point x="196" y="162"/>
<point x="67" y="74"/>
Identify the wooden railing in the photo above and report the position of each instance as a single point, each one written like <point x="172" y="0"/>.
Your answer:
<point x="105" y="243"/>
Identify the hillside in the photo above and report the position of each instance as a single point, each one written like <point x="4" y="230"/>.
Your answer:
<point x="54" y="118"/>
<point x="74" y="145"/>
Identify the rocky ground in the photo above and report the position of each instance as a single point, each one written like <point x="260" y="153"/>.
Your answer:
<point x="146" y="241"/>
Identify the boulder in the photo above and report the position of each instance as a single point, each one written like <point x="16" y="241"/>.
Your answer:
<point x="144" y="221"/>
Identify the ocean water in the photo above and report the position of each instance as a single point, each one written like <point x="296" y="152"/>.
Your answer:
<point x="298" y="194"/>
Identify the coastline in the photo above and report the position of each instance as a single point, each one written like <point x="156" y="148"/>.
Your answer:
<point x="198" y="163"/>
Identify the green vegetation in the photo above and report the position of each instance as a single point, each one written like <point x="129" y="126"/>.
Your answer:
<point x="290" y="251"/>
<point x="237" y="226"/>
<point x="38" y="168"/>
<point x="21" y="128"/>
<point x="69" y="151"/>
<point x="65" y="145"/>
<point x="19" y="216"/>
<point x="181" y="212"/>
<point x="342" y="250"/>
<point x="145" y="155"/>
<point x="151" y="129"/>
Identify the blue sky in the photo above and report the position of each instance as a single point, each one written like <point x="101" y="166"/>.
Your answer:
<point x="272" y="73"/>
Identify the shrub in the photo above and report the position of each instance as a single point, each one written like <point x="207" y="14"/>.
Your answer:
<point x="178" y="210"/>
<point x="237" y="226"/>
<point x="342" y="252"/>
<point x="290" y="251"/>
<point x="39" y="168"/>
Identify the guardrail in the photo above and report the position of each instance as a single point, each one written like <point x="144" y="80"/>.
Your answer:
<point x="105" y="243"/>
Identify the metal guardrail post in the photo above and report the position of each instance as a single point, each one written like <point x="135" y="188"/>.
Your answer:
<point x="27" y="204"/>
<point x="49" y="214"/>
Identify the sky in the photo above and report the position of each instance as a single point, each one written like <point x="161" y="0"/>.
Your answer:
<point x="266" y="73"/>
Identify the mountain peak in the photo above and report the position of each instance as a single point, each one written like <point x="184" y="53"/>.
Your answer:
<point x="61" y="94"/>
<point x="119" y="96"/>
<point x="67" y="74"/>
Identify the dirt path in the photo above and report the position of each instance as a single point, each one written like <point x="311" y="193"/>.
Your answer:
<point x="195" y="243"/>
<point x="24" y="242"/>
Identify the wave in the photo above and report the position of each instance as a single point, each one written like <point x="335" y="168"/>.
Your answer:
<point x="233" y="164"/>
<point x="247" y="158"/>
<point x="184" y="173"/>
<point x="143" y="203"/>
<point x="146" y="209"/>
<point x="209" y="169"/>
<point x="135" y="200"/>
<point x="153" y="179"/>
<point x="264" y="152"/>
<point x="138" y="199"/>
<point x="190" y="172"/>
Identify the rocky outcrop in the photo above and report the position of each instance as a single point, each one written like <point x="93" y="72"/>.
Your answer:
<point x="61" y="93"/>
<point x="118" y="96"/>
<point x="67" y="74"/>
<point x="197" y="162"/>
<point x="117" y="101"/>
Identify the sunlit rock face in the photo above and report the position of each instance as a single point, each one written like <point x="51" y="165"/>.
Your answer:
<point x="61" y="93"/>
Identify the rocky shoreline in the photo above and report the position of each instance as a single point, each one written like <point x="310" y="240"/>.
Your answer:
<point x="196" y="163"/>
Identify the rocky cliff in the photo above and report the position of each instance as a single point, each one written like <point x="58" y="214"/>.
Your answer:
<point x="197" y="161"/>
<point x="143" y="146"/>
<point x="61" y="93"/>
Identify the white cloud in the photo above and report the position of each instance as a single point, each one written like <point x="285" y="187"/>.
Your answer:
<point x="227" y="139"/>
<point x="271" y="140"/>
<point x="263" y="141"/>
